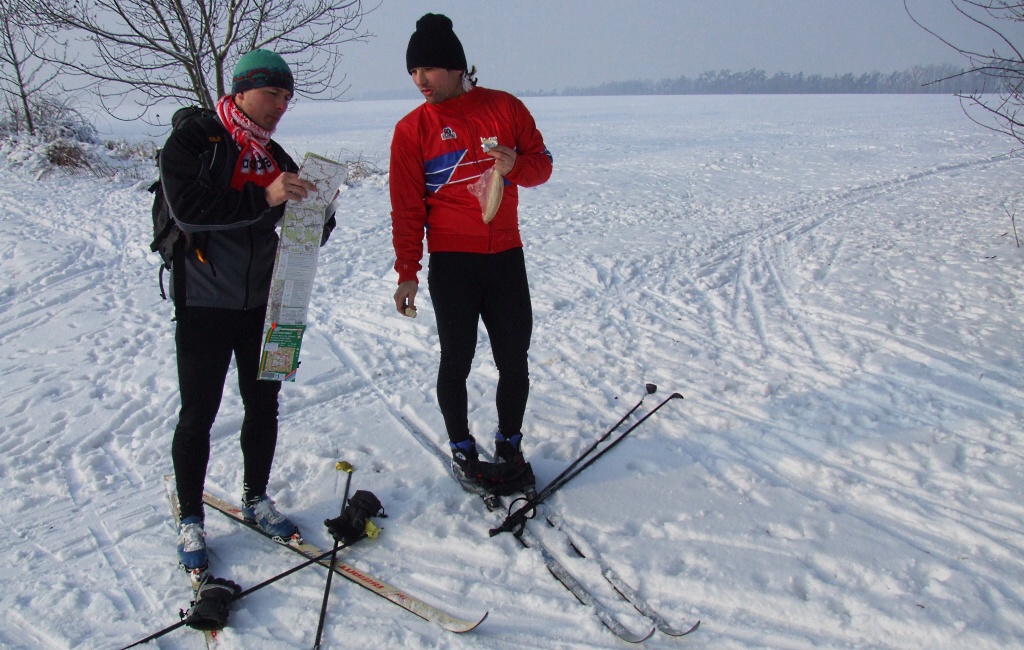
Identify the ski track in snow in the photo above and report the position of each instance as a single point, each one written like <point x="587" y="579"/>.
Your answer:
<point x="828" y="281"/>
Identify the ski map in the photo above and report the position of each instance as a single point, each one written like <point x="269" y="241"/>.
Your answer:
<point x="412" y="604"/>
<point x="558" y="570"/>
<point x="292" y="280"/>
<point x="195" y="577"/>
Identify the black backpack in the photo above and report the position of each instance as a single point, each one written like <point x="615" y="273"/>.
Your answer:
<point x="168" y="239"/>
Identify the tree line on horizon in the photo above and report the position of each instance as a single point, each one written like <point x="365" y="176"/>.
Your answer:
<point x="135" y="54"/>
<point x="919" y="79"/>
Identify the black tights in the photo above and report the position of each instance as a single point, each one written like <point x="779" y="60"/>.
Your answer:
<point x="466" y="288"/>
<point x="206" y="338"/>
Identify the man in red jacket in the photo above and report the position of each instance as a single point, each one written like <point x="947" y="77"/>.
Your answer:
<point x="444" y="155"/>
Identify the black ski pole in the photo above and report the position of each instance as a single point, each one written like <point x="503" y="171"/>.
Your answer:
<point x="650" y="389"/>
<point x="348" y="469"/>
<point x="516" y="520"/>
<point x="612" y="444"/>
<point x="556" y="482"/>
<point x="242" y="594"/>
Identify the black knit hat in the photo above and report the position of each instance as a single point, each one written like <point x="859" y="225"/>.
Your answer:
<point x="435" y="45"/>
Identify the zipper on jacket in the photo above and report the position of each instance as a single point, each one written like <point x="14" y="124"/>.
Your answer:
<point x="474" y="138"/>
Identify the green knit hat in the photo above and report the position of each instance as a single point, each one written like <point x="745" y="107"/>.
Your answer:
<point x="260" y="69"/>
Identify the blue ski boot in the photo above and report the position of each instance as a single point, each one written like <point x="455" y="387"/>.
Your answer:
<point x="192" y="544"/>
<point x="261" y="511"/>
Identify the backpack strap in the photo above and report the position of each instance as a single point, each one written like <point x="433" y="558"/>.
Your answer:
<point x="212" y="128"/>
<point x="177" y="273"/>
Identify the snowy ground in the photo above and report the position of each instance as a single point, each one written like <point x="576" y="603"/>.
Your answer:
<point x="832" y="283"/>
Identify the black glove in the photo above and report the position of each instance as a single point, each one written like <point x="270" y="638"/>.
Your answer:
<point x="330" y="223"/>
<point x="350" y="526"/>
<point x="209" y="610"/>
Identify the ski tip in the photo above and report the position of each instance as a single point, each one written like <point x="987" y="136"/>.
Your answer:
<point x="638" y="638"/>
<point x="671" y="631"/>
<point x="464" y="626"/>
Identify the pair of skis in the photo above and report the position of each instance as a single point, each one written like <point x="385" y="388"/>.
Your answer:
<point x="617" y="583"/>
<point x="314" y="554"/>
<point x="582" y="594"/>
<point x="410" y="603"/>
<point x="516" y="523"/>
<point x="519" y="517"/>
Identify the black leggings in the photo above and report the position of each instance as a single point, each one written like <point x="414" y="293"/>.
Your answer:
<point x="466" y="288"/>
<point x="206" y="338"/>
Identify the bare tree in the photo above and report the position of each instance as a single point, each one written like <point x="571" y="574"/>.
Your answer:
<point x="151" y="51"/>
<point x="1000" y="97"/>
<point x="24" y="72"/>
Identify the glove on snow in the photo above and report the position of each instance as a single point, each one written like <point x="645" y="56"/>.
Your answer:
<point x="351" y="525"/>
<point x="209" y="610"/>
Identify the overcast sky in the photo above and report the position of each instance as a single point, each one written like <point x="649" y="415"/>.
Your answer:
<point x="522" y="45"/>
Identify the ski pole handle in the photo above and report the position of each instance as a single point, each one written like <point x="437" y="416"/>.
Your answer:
<point x="559" y="480"/>
<point x="341" y="466"/>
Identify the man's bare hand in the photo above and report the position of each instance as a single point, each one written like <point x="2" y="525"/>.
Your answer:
<point x="288" y="187"/>
<point x="504" y="159"/>
<point x="405" y="298"/>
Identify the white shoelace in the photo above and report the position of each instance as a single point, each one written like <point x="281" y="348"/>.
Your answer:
<point x="264" y="510"/>
<point x="193" y="537"/>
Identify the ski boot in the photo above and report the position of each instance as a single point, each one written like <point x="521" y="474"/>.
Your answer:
<point x="261" y="512"/>
<point x="192" y="546"/>
<point x="518" y="473"/>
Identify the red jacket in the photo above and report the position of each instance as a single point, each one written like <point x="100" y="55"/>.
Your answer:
<point x="436" y="155"/>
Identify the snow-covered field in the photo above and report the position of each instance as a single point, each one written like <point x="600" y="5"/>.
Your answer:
<point x="832" y="283"/>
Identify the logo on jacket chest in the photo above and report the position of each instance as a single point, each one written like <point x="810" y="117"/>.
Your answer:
<point x="448" y="133"/>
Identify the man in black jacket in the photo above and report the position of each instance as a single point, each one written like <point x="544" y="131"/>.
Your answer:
<point x="227" y="194"/>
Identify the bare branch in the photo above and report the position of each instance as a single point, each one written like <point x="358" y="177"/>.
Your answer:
<point x="1002" y="102"/>
<point x="151" y="51"/>
<point x="25" y="71"/>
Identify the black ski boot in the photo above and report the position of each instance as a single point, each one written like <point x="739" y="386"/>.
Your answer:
<point x="489" y="480"/>
<point x="508" y="450"/>
<point x="517" y="472"/>
<point x="467" y="466"/>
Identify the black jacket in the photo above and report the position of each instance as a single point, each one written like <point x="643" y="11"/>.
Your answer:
<point x="233" y="230"/>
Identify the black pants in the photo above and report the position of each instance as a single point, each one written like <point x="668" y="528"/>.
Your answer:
<point x="206" y="338"/>
<point x="466" y="288"/>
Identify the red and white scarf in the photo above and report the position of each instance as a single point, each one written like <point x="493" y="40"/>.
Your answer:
<point x="255" y="164"/>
